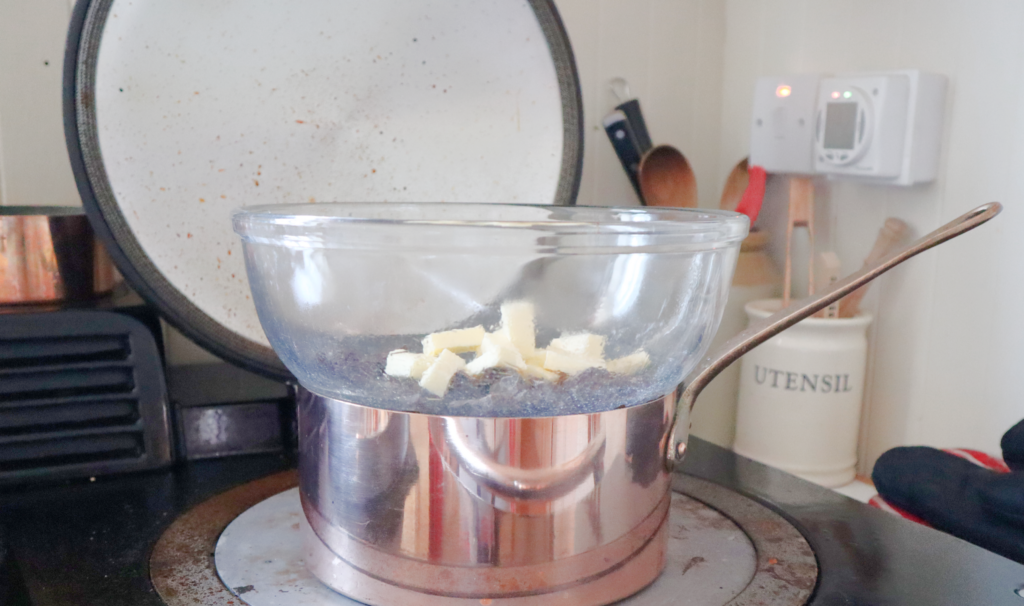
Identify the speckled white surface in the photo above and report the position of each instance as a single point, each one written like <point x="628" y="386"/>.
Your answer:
<point x="205" y="107"/>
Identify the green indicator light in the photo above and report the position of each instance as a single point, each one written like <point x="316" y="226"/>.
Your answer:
<point x="847" y="95"/>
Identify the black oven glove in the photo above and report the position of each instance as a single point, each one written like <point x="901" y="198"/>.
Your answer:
<point x="952" y="494"/>
<point x="1013" y="447"/>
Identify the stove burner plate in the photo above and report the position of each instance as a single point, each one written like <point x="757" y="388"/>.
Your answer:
<point x="724" y="548"/>
<point x="259" y="556"/>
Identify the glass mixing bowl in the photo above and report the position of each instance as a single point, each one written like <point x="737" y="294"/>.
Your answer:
<point x="624" y="301"/>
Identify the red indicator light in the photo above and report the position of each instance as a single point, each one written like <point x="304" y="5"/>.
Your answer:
<point x="835" y="94"/>
<point x="784" y="90"/>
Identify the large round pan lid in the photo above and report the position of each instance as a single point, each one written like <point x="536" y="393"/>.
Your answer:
<point x="176" y="113"/>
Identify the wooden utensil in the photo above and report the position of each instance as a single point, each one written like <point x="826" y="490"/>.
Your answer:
<point x="801" y="214"/>
<point x="735" y="185"/>
<point x="830" y="270"/>
<point x="666" y="178"/>
<point x="889" y="237"/>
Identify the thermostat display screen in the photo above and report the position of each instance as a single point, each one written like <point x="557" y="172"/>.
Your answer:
<point x="840" y="125"/>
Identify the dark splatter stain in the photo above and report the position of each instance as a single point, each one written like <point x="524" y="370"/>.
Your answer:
<point x="245" y="589"/>
<point x="692" y="562"/>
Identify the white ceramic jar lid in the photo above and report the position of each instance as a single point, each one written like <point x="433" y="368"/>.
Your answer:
<point x="177" y="113"/>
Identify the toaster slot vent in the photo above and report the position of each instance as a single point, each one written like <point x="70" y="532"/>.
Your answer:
<point x="81" y="413"/>
<point x="64" y="383"/>
<point x="49" y="450"/>
<point x="26" y="353"/>
<point x="81" y="393"/>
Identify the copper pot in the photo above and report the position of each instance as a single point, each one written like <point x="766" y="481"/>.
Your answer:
<point x="49" y="253"/>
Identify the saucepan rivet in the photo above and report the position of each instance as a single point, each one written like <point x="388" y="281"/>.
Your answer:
<point x="680" y="450"/>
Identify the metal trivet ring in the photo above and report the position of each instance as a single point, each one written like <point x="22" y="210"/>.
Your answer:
<point x="780" y="568"/>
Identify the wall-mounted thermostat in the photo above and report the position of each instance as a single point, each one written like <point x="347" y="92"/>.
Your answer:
<point x="782" y="130"/>
<point x="884" y="127"/>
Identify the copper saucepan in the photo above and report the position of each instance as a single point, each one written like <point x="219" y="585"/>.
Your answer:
<point x="49" y="253"/>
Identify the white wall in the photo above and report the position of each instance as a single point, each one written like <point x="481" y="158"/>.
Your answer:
<point x="670" y="52"/>
<point x="34" y="168"/>
<point x="948" y="339"/>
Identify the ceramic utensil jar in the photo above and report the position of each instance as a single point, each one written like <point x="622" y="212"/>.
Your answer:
<point x="800" y="396"/>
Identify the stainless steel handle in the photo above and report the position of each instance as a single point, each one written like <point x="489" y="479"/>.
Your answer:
<point x="516" y="483"/>
<point x="761" y="331"/>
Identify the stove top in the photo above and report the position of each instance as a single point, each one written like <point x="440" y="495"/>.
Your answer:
<point x="88" y="542"/>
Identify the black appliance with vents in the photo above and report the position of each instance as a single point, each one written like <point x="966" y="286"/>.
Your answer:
<point x="82" y="393"/>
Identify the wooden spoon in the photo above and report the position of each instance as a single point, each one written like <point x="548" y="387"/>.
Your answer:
<point x="666" y="178"/>
<point x="735" y="185"/>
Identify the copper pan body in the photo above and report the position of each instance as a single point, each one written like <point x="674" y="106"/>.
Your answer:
<point x="410" y="508"/>
<point x="50" y="254"/>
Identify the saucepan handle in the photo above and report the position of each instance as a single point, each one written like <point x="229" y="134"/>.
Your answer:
<point x="760" y="331"/>
<point x="469" y="455"/>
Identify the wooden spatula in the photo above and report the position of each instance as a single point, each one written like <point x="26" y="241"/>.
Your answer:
<point x="888" y="238"/>
<point x="801" y="214"/>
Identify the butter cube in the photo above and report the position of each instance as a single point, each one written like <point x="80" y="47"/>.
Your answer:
<point x="403" y="363"/>
<point x="436" y="378"/>
<point x="518" y="326"/>
<point x="456" y="341"/>
<point x="535" y="358"/>
<point x="538" y="372"/>
<point x="493" y="341"/>
<point x="495" y="351"/>
<point x="571" y="364"/>
<point x="483" y="362"/>
<point x="582" y="344"/>
<point x="630" y="364"/>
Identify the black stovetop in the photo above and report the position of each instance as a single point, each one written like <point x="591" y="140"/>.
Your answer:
<point x="88" y="542"/>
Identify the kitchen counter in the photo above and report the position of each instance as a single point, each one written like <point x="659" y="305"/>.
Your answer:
<point x="88" y="542"/>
